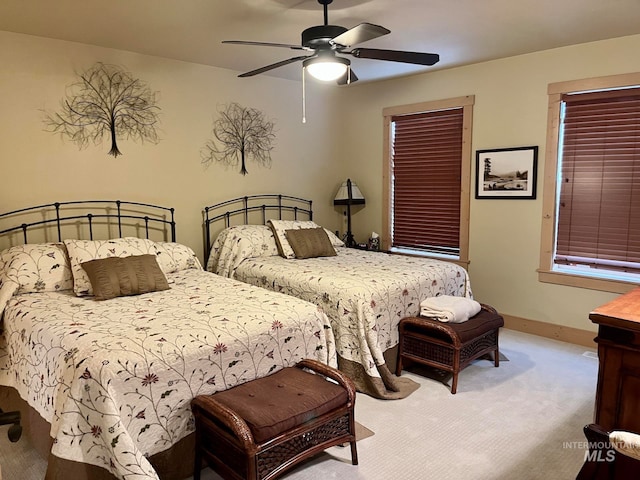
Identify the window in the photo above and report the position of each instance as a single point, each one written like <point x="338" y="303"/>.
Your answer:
<point x="427" y="177"/>
<point x="591" y="223"/>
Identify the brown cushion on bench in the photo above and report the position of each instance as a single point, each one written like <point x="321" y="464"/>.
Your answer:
<point x="277" y="403"/>
<point x="483" y="322"/>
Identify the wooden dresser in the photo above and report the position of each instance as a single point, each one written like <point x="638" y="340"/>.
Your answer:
<point x="618" y="392"/>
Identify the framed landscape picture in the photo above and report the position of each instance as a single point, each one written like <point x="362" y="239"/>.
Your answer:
<point x="506" y="173"/>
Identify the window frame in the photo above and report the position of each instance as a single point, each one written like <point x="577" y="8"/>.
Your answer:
<point x="466" y="103"/>
<point x="546" y="273"/>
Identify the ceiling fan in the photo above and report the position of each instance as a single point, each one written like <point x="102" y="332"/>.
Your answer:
<point x="325" y="41"/>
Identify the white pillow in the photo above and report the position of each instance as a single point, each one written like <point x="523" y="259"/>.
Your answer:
<point x="335" y="241"/>
<point x="236" y="243"/>
<point x="173" y="257"/>
<point x="279" y="228"/>
<point x="36" y="267"/>
<point x="81" y="251"/>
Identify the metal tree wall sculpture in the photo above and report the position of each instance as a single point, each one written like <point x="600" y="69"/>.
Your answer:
<point x="106" y="101"/>
<point x="241" y="134"/>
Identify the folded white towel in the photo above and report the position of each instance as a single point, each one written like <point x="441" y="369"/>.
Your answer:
<point x="447" y="308"/>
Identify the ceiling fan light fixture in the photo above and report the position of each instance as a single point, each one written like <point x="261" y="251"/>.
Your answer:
<point x="326" y="68"/>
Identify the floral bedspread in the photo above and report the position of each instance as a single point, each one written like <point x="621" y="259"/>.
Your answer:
<point x="365" y="294"/>
<point x="115" y="378"/>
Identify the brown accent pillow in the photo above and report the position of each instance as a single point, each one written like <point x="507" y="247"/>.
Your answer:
<point x="120" y="276"/>
<point x="310" y="243"/>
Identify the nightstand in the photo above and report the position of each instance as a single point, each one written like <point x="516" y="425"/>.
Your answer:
<point x="363" y="246"/>
<point x="375" y="247"/>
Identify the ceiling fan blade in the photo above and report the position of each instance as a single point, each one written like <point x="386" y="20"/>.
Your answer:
<point x="360" y="33"/>
<point x="348" y="78"/>
<point x="416" y="58"/>
<point x="266" y="44"/>
<point x="272" y="66"/>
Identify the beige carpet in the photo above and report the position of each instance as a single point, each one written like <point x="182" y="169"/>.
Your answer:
<point x="521" y="421"/>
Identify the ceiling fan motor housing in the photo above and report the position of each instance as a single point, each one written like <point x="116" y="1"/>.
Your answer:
<point x="320" y="35"/>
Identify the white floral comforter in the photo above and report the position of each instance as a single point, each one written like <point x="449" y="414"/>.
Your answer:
<point x="115" y="378"/>
<point x="365" y="294"/>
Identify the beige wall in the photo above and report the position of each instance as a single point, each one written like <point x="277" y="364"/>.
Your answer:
<point x="510" y="110"/>
<point x="39" y="167"/>
<point x="342" y="137"/>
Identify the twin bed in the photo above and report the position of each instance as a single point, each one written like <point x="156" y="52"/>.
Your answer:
<point x="111" y="381"/>
<point x="114" y="379"/>
<point x="365" y="294"/>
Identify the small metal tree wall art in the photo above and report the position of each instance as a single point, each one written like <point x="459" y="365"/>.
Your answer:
<point x="241" y="134"/>
<point x="106" y="102"/>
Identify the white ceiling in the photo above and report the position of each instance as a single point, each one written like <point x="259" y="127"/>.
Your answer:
<point x="461" y="31"/>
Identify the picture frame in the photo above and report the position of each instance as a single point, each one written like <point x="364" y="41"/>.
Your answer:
<point x="507" y="173"/>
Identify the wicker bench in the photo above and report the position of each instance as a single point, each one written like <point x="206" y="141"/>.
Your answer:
<point x="260" y="429"/>
<point x="449" y="346"/>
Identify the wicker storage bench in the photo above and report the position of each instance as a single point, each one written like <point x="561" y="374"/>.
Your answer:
<point x="260" y="429"/>
<point x="449" y="346"/>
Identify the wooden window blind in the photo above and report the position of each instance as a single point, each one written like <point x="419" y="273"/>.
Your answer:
<point x="599" y="202"/>
<point x="426" y="185"/>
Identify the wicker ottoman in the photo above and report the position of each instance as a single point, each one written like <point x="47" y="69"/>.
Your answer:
<point x="260" y="429"/>
<point x="449" y="346"/>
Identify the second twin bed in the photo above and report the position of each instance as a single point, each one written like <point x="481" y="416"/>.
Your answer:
<point x="365" y="294"/>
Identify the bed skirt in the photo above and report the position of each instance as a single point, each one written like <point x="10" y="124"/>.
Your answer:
<point x="387" y="386"/>
<point x="175" y="463"/>
<point x="391" y="358"/>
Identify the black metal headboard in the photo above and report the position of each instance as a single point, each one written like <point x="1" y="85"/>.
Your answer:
<point x="50" y="220"/>
<point x="253" y="209"/>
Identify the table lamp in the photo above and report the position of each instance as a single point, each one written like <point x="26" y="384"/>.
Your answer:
<point x="349" y="194"/>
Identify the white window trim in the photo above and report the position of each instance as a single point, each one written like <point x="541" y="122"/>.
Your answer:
<point x="466" y="103"/>
<point x="546" y="272"/>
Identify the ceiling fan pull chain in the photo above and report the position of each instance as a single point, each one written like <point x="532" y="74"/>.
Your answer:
<point x="304" y="100"/>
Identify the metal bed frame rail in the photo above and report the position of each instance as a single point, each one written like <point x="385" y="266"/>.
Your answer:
<point x="157" y="215"/>
<point x="242" y="207"/>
